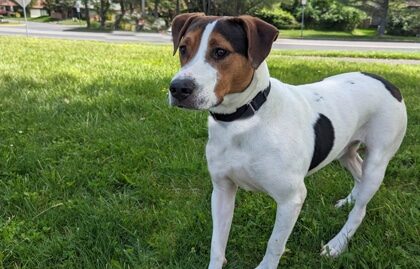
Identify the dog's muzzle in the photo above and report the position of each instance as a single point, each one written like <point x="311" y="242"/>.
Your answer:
<point x="182" y="92"/>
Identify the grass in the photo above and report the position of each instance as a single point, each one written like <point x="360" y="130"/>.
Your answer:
<point x="71" y="22"/>
<point x="37" y="19"/>
<point x="10" y="24"/>
<point x="97" y="171"/>
<point x="357" y="34"/>
<point x="46" y="19"/>
<point x="413" y="55"/>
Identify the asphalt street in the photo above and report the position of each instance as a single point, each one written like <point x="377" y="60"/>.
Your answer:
<point x="49" y="30"/>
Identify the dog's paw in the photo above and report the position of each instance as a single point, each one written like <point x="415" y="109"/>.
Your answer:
<point x="217" y="263"/>
<point x="335" y="247"/>
<point x="346" y="201"/>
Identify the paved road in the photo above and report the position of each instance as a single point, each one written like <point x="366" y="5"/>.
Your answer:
<point x="49" y="30"/>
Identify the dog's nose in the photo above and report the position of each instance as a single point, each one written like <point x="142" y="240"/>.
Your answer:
<point x="182" y="88"/>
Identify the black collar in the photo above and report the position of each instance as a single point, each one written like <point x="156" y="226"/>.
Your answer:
<point x="247" y="110"/>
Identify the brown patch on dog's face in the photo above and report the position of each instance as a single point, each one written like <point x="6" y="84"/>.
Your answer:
<point x="189" y="44"/>
<point x="190" y="40"/>
<point x="235" y="71"/>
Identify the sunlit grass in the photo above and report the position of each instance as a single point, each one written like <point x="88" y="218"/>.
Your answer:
<point x="362" y="34"/>
<point x="414" y="55"/>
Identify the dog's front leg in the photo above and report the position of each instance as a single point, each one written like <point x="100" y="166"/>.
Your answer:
<point x="222" y="205"/>
<point x="288" y="209"/>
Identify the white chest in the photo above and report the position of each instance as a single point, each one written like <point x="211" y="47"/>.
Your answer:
<point x="233" y="161"/>
<point x="239" y="154"/>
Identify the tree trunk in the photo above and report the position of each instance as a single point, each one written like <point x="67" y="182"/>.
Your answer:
<point x="155" y="11"/>
<point x="384" y="18"/>
<point x="102" y="14"/>
<point x="209" y="7"/>
<point x="119" y="18"/>
<point x="177" y="7"/>
<point x="238" y="8"/>
<point x="103" y="10"/>
<point x="131" y="7"/>
<point x="87" y="14"/>
<point x="204" y="6"/>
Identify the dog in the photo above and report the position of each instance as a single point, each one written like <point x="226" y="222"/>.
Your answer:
<point x="265" y="135"/>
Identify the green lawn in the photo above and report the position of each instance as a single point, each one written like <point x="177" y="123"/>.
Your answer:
<point x="357" y="34"/>
<point x="97" y="171"/>
<point x="414" y="55"/>
<point x="38" y="19"/>
<point x="51" y="20"/>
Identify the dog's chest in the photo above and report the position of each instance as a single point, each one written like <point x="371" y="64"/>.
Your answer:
<point x="233" y="155"/>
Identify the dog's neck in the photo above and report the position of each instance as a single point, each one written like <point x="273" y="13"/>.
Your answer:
<point x="231" y="102"/>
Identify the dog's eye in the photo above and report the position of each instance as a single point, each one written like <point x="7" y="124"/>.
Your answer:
<point x="182" y="50"/>
<point x="220" y="53"/>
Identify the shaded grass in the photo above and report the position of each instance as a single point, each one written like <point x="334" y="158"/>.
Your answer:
<point x="357" y="34"/>
<point x="96" y="171"/>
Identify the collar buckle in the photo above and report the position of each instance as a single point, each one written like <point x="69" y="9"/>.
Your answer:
<point x="252" y="107"/>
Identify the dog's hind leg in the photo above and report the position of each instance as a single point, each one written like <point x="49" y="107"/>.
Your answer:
<point x="352" y="161"/>
<point x="373" y="172"/>
<point x="384" y="135"/>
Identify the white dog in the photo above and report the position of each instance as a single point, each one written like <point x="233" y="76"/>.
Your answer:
<point x="265" y="135"/>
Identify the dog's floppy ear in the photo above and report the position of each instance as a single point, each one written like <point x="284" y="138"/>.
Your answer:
<point x="260" y="35"/>
<point x="180" y="24"/>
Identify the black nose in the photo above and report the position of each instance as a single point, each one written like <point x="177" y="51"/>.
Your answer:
<point x="182" y="88"/>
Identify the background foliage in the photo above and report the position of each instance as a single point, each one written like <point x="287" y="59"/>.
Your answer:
<point x="278" y="17"/>
<point x="400" y="17"/>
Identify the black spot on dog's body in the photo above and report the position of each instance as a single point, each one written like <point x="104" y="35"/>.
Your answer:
<point x="388" y="85"/>
<point x="324" y="140"/>
<point x="235" y="34"/>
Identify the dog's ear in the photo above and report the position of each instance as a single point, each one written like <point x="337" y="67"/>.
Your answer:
<point x="180" y="24"/>
<point x="260" y="35"/>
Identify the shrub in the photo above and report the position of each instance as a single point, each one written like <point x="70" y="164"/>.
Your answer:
<point x="277" y="17"/>
<point x="331" y="15"/>
<point x="340" y="17"/>
<point x="403" y="24"/>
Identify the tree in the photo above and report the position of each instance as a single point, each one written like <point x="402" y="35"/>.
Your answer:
<point x="227" y="7"/>
<point x="372" y="7"/>
<point x="87" y="13"/>
<point x="384" y="17"/>
<point x="177" y="7"/>
<point x="155" y="9"/>
<point x="120" y="16"/>
<point x="49" y="5"/>
<point x="102" y="7"/>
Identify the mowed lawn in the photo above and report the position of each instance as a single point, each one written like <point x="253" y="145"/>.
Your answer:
<point x="97" y="171"/>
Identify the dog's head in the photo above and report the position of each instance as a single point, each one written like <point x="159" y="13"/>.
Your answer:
<point x="218" y="56"/>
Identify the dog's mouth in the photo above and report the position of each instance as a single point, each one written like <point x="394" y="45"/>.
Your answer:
<point x="189" y="103"/>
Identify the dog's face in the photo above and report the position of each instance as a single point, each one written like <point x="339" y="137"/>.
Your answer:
<point x="218" y="56"/>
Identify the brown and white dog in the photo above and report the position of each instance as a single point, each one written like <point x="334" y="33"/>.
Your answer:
<point x="266" y="135"/>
